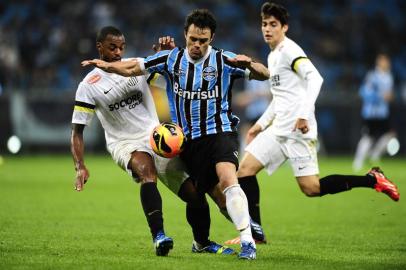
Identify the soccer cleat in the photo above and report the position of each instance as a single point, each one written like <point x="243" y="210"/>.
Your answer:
<point x="162" y="244"/>
<point x="213" y="247"/>
<point x="248" y="251"/>
<point x="257" y="233"/>
<point x="383" y="184"/>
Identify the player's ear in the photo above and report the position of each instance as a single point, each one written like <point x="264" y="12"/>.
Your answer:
<point x="212" y="37"/>
<point x="99" y="46"/>
<point x="285" y="28"/>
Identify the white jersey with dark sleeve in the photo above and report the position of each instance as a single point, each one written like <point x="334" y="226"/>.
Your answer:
<point x="124" y="105"/>
<point x="295" y="85"/>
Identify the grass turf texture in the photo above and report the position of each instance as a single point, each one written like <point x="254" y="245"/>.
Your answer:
<point x="45" y="224"/>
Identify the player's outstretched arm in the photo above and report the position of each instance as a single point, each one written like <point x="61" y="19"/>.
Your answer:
<point x="123" y="68"/>
<point x="77" y="149"/>
<point x="258" y="71"/>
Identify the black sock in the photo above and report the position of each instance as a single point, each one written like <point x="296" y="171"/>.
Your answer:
<point x="335" y="183"/>
<point x="199" y="220"/>
<point x="152" y="204"/>
<point x="197" y="211"/>
<point x="249" y="185"/>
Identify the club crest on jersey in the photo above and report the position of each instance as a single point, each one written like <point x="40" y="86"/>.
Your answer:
<point x="132" y="81"/>
<point x="209" y="73"/>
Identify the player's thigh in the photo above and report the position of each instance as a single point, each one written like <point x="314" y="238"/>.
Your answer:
<point x="225" y="156"/>
<point x="266" y="152"/>
<point x="227" y="174"/>
<point x="122" y="152"/>
<point x="171" y="172"/>
<point x="142" y="165"/>
<point x="302" y="156"/>
<point x="249" y="165"/>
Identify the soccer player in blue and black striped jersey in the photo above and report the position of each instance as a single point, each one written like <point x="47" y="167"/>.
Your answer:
<point x="199" y="82"/>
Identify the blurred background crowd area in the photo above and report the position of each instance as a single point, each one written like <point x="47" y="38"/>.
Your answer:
<point x="42" y="42"/>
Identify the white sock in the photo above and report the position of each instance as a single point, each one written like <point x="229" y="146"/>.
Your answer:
<point x="246" y="236"/>
<point x="363" y="148"/>
<point x="380" y="147"/>
<point x="237" y="208"/>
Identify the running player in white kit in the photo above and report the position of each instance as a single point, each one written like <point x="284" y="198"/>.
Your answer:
<point x="126" y="110"/>
<point x="288" y="129"/>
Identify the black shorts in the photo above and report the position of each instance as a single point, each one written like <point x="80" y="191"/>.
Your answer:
<point x="376" y="127"/>
<point x="201" y="156"/>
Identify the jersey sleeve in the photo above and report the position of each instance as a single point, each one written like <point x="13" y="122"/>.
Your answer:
<point x="305" y="69"/>
<point x="83" y="110"/>
<point x="156" y="62"/>
<point x="232" y="68"/>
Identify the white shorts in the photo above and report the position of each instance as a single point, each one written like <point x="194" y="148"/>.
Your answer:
<point x="171" y="172"/>
<point x="272" y="151"/>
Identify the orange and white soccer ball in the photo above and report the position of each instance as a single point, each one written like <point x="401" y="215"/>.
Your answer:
<point x="167" y="140"/>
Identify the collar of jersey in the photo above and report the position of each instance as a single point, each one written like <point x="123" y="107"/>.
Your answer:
<point x="201" y="59"/>
<point x="281" y="43"/>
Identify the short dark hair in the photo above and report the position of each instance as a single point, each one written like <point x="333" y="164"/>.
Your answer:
<point x="202" y="18"/>
<point x="278" y="11"/>
<point x="107" y="30"/>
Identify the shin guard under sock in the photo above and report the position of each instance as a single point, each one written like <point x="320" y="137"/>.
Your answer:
<point x="249" y="184"/>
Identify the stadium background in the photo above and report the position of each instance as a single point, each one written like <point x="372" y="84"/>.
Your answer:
<point x="43" y="42"/>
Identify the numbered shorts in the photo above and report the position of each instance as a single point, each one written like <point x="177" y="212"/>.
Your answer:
<point x="171" y="172"/>
<point x="272" y="151"/>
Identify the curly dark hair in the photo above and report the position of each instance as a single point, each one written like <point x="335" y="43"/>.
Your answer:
<point x="201" y="18"/>
<point x="107" y="30"/>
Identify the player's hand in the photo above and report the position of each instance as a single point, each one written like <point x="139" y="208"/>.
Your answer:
<point x="96" y="63"/>
<point x="241" y="60"/>
<point x="164" y="43"/>
<point x="252" y="133"/>
<point x="302" y="125"/>
<point x="82" y="174"/>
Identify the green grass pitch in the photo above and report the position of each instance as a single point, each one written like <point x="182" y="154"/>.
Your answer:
<point x="45" y="224"/>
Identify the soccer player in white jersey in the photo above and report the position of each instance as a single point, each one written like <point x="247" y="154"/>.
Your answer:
<point x="288" y="129"/>
<point x="126" y="110"/>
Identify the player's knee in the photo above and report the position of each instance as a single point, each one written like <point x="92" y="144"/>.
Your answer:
<point x="311" y="190"/>
<point x="310" y="185"/>
<point x="245" y="169"/>
<point x="147" y="180"/>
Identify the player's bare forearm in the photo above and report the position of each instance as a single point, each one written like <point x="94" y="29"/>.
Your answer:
<point x="252" y="133"/>
<point x="77" y="149"/>
<point x="258" y="71"/>
<point x="123" y="68"/>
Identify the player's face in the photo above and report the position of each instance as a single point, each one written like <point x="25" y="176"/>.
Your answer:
<point x="383" y="62"/>
<point x="197" y="41"/>
<point x="112" y="48"/>
<point x="273" y="31"/>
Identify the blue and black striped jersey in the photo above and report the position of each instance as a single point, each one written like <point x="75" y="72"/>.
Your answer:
<point x="199" y="92"/>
